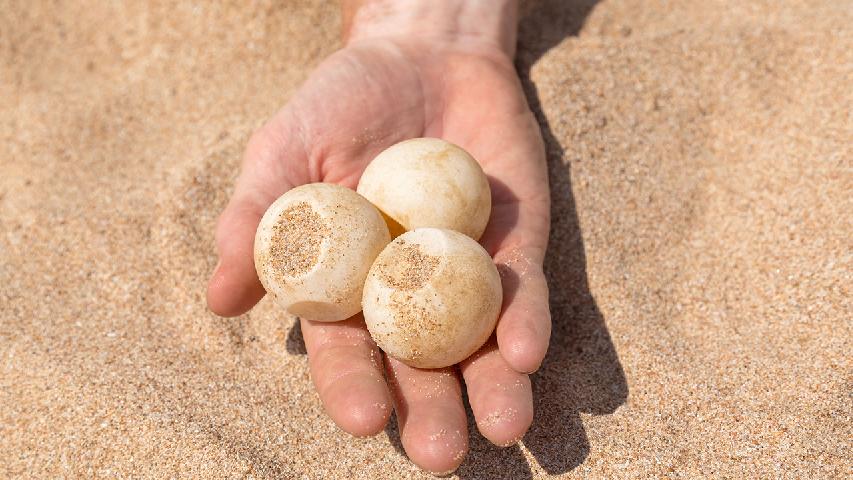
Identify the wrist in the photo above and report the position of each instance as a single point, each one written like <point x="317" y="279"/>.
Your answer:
<point x="475" y="23"/>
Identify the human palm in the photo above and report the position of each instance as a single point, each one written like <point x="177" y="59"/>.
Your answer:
<point x="362" y="99"/>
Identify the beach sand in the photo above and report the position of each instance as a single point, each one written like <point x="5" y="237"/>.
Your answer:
<point x="701" y="258"/>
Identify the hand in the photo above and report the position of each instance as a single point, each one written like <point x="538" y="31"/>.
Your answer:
<point x="373" y="93"/>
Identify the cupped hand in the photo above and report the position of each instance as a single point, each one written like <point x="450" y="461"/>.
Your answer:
<point x="362" y="99"/>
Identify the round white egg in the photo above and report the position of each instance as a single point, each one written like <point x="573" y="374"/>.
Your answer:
<point x="428" y="182"/>
<point x="432" y="298"/>
<point x="314" y="247"/>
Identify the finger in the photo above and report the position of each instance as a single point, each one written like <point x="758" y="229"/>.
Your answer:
<point x="524" y="328"/>
<point x="500" y="397"/>
<point x="234" y="286"/>
<point x="346" y="367"/>
<point x="433" y="425"/>
<point x="517" y="238"/>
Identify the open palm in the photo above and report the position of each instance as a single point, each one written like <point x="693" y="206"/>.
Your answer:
<point x="362" y="99"/>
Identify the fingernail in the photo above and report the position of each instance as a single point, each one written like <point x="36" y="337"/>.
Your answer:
<point x="216" y="268"/>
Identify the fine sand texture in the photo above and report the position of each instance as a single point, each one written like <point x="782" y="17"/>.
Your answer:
<point x="701" y="259"/>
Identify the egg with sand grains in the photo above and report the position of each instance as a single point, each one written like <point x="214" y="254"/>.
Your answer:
<point x="314" y="247"/>
<point x="428" y="182"/>
<point x="432" y="298"/>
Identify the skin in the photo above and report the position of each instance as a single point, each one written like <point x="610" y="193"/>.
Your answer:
<point x="391" y="83"/>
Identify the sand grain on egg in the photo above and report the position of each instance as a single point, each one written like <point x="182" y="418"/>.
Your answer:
<point x="433" y="309"/>
<point x="296" y="240"/>
<point x="411" y="270"/>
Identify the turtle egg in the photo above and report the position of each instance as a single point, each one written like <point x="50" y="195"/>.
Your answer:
<point x="428" y="182"/>
<point x="314" y="247"/>
<point x="432" y="298"/>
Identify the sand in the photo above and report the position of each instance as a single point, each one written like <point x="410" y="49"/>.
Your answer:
<point x="700" y="262"/>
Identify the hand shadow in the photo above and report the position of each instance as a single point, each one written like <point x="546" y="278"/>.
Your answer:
<point x="581" y="372"/>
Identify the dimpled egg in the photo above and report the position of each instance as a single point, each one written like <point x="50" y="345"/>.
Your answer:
<point x="432" y="298"/>
<point x="314" y="247"/>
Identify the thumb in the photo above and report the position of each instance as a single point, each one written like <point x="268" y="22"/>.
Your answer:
<point x="269" y="164"/>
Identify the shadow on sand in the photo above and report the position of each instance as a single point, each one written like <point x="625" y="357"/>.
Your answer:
<point x="581" y="372"/>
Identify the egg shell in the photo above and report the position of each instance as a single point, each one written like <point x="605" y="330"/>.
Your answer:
<point x="314" y="247"/>
<point x="429" y="182"/>
<point x="432" y="298"/>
